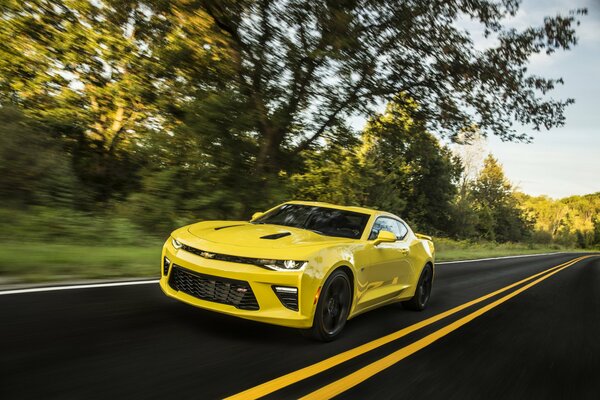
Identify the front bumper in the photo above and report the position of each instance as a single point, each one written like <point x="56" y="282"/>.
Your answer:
<point x="261" y="281"/>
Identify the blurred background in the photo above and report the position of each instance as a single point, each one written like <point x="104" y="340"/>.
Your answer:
<point x="122" y="120"/>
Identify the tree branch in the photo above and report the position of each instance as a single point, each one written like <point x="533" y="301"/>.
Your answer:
<point x="236" y="40"/>
<point x="304" y="145"/>
<point x="221" y="24"/>
<point x="341" y="106"/>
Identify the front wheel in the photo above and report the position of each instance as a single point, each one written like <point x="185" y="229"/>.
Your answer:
<point x="423" y="292"/>
<point x="332" y="309"/>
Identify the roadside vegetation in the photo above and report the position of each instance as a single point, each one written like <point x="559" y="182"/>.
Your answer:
<point x="454" y="250"/>
<point x="46" y="244"/>
<point x="36" y="262"/>
<point x="120" y="121"/>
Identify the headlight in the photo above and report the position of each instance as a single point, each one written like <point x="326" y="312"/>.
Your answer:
<point x="176" y="243"/>
<point x="282" y="265"/>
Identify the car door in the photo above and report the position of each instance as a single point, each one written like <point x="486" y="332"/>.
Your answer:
<point x="388" y="271"/>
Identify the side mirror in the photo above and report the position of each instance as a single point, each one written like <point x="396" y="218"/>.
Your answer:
<point x="257" y="215"/>
<point x="385" y="237"/>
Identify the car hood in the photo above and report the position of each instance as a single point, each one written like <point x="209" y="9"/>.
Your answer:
<point x="258" y="236"/>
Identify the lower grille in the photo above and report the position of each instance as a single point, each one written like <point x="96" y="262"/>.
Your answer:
<point x="213" y="288"/>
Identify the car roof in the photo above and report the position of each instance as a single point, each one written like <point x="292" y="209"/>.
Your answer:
<point x="363" y="210"/>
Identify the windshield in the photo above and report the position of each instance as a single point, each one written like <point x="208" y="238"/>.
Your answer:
<point x="322" y="220"/>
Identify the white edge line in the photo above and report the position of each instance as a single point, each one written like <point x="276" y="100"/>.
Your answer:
<point x="498" y="258"/>
<point x="73" y="287"/>
<point x="146" y="282"/>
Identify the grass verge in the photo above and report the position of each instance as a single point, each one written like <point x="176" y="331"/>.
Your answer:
<point x="452" y="250"/>
<point x="37" y="262"/>
<point x="48" y="262"/>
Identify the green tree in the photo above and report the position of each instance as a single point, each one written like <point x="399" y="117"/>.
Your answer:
<point x="409" y="161"/>
<point x="580" y="219"/>
<point x="200" y="170"/>
<point x="549" y="214"/>
<point x="34" y="169"/>
<point x="499" y="215"/>
<point x="464" y="217"/>
<point x="597" y="231"/>
<point x="105" y="73"/>
<point x="397" y="166"/>
<point x="304" y="66"/>
<point x="332" y="174"/>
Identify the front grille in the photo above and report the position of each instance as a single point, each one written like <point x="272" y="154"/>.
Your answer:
<point x="288" y="299"/>
<point x="223" y="257"/>
<point x="213" y="288"/>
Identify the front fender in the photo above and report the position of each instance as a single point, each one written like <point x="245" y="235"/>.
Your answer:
<point x="323" y="263"/>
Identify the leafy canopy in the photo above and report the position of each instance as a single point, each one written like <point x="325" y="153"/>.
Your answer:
<point x="397" y="166"/>
<point x="305" y="66"/>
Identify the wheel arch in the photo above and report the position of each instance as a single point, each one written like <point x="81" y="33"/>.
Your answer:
<point x="432" y="264"/>
<point x="347" y="269"/>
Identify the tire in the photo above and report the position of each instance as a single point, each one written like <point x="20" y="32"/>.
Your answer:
<point x="423" y="292"/>
<point x="332" y="309"/>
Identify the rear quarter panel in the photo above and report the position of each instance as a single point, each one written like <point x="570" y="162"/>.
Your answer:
<point x="422" y="251"/>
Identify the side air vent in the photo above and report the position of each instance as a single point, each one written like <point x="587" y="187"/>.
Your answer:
<point x="276" y="235"/>
<point x="288" y="296"/>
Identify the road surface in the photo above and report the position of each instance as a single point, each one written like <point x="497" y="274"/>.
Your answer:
<point x="483" y="336"/>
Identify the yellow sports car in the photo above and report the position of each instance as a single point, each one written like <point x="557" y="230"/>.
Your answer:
<point x="301" y="264"/>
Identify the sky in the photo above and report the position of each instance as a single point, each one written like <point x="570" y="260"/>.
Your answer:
<point x="563" y="161"/>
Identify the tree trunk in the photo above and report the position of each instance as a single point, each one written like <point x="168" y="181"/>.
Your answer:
<point x="268" y="160"/>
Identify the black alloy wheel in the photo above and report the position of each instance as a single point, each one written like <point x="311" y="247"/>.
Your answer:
<point x="333" y="307"/>
<point x="423" y="292"/>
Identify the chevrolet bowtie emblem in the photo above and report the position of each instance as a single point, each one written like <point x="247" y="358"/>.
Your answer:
<point x="207" y="254"/>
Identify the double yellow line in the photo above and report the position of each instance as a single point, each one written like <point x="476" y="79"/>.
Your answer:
<point x="349" y="381"/>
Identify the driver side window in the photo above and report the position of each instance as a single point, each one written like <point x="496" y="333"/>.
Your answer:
<point x="385" y="224"/>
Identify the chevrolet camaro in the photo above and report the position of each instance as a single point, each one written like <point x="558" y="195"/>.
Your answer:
<point x="305" y="265"/>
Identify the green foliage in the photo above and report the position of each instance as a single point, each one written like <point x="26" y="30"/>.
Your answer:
<point x="421" y="173"/>
<point x="397" y="166"/>
<point x="34" y="168"/>
<point x="449" y="250"/>
<point x="121" y="120"/>
<point x="305" y="66"/>
<point x="464" y="217"/>
<point x="111" y="78"/>
<point x="105" y="74"/>
<point x="572" y="221"/>
<point x="44" y="224"/>
<point x="43" y="262"/>
<point x="499" y="216"/>
<point x="200" y="171"/>
<point x="333" y="175"/>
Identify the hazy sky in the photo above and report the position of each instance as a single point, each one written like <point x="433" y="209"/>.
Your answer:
<point x="562" y="161"/>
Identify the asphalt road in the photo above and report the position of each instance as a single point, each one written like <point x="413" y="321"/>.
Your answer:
<point x="132" y="342"/>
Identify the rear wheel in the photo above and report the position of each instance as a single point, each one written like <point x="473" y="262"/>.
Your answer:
<point x="423" y="292"/>
<point x="332" y="309"/>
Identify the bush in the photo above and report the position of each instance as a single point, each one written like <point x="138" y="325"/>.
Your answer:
<point x="55" y="225"/>
<point x="542" y="237"/>
<point x="34" y="169"/>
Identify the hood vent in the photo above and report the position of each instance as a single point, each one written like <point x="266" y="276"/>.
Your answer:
<point x="276" y="235"/>
<point x="218" y="228"/>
